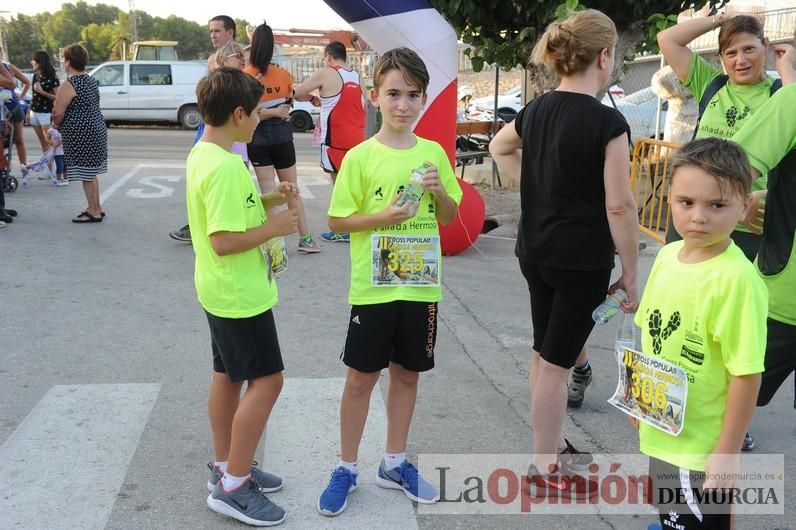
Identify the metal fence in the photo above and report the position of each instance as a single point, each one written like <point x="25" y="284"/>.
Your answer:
<point x="649" y="172"/>
<point x="301" y="66"/>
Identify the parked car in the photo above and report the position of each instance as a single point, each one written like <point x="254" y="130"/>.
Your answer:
<point x="303" y="116"/>
<point x="509" y="104"/>
<point x="150" y="91"/>
<point x="640" y="110"/>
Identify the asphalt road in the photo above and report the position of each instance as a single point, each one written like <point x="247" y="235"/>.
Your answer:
<point x="106" y="360"/>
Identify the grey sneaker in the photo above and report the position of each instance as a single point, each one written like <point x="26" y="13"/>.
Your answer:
<point x="266" y="482"/>
<point x="246" y="504"/>
<point x="577" y="387"/>
<point x="183" y="234"/>
<point x="308" y="246"/>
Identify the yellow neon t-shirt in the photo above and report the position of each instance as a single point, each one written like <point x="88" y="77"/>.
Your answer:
<point x="708" y="318"/>
<point x="221" y="197"/>
<point x="370" y="177"/>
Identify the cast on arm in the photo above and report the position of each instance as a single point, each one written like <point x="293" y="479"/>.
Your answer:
<point x="620" y="208"/>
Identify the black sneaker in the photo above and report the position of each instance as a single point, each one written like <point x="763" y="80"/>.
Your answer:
<point x="577" y="386"/>
<point x="560" y="484"/>
<point x="183" y="234"/>
<point x="748" y="442"/>
<point x="246" y="504"/>
<point x="9" y="211"/>
<point x="573" y="459"/>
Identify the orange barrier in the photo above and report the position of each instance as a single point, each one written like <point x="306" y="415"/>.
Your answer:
<point x="649" y="172"/>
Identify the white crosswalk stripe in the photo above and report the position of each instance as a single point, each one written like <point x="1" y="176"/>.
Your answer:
<point x="65" y="463"/>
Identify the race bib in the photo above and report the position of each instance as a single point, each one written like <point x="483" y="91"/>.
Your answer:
<point x="409" y="261"/>
<point x="651" y="389"/>
<point x="275" y="255"/>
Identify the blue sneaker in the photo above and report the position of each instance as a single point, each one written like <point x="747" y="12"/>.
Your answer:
<point x="406" y="478"/>
<point x="334" y="498"/>
<point x="336" y="237"/>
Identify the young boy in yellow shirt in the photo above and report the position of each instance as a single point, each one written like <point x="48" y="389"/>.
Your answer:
<point x="237" y="290"/>
<point x="395" y="273"/>
<point x="704" y="309"/>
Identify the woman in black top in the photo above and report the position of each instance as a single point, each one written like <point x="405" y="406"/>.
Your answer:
<point x="45" y="85"/>
<point x="572" y="154"/>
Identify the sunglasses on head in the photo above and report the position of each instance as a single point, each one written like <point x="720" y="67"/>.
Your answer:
<point x="238" y="55"/>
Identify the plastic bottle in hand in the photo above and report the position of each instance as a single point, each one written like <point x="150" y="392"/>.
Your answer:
<point x="627" y="335"/>
<point x="609" y="308"/>
<point x="413" y="190"/>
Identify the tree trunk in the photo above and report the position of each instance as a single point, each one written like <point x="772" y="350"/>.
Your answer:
<point x="540" y="80"/>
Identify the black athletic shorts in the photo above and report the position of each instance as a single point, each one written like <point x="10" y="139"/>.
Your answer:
<point x="562" y="302"/>
<point x="401" y="332"/>
<point x="682" y="502"/>
<point x="281" y="156"/>
<point x="245" y="348"/>
<point x="780" y="360"/>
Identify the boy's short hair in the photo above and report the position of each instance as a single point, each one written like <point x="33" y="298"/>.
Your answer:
<point x="225" y="89"/>
<point x="720" y="158"/>
<point x="409" y="63"/>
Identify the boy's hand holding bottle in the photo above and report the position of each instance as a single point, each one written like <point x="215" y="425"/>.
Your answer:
<point x="431" y="181"/>
<point x="395" y="214"/>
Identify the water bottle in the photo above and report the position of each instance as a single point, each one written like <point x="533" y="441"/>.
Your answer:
<point x="627" y="334"/>
<point x="414" y="188"/>
<point x="609" y="308"/>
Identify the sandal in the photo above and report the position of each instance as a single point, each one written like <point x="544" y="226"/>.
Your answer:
<point x="85" y="217"/>
<point x="102" y="214"/>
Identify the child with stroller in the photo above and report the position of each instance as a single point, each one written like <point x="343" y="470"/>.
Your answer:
<point x="55" y="152"/>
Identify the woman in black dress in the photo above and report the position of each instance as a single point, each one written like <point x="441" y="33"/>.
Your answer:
<point x="85" y="138"/>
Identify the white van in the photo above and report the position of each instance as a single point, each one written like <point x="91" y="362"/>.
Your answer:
<point x="150" y="90"/>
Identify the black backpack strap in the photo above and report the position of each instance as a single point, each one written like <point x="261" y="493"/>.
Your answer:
<point x="713" y="87"/>
<point x="776" y="85"/>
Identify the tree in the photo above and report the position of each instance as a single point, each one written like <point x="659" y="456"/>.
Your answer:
<point x="24" y="38"/>
<point x="59" y="30"/>
<point x="503" y="32"/>
<point x="99" y="41"/>
<point x="193" y="38"/>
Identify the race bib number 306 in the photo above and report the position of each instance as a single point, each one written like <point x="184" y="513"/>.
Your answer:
<point x="411" y="261"/>
<point x="651" y="389"/>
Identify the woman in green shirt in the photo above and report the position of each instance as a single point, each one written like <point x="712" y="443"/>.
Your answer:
<point x="742" y="49"/>
<point x="746" y="87"/>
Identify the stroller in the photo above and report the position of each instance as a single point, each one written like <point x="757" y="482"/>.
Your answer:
<point x="9" y="182"/>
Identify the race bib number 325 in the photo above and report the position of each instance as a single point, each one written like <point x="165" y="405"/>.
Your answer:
<point x="405" y="261"/>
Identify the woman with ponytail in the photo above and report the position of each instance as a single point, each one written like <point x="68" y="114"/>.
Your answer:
<point x="571" y="153"/>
